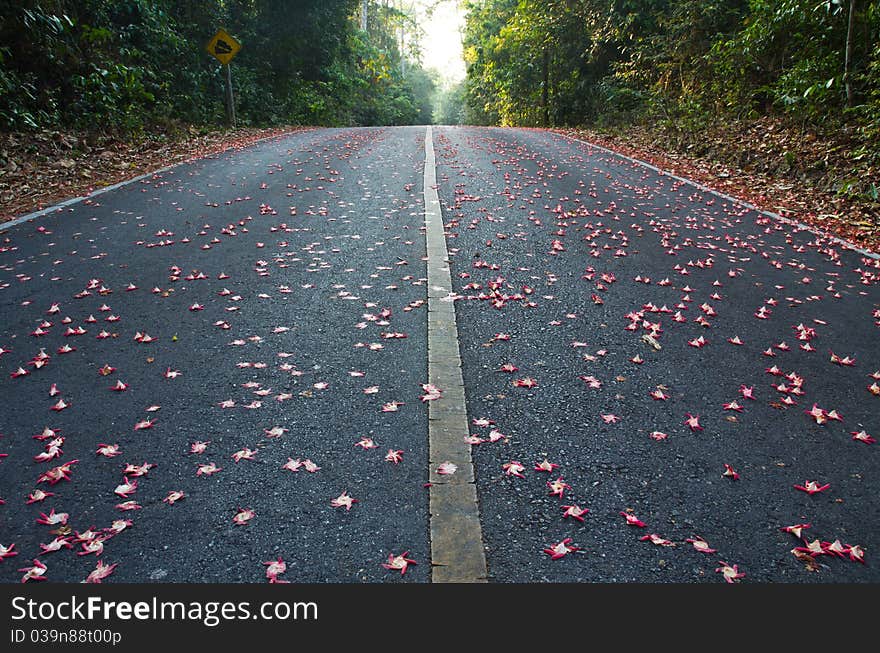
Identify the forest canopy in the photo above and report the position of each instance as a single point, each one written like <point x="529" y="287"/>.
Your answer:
<point x="567" y="62"/>
<point x="129" y="64"/>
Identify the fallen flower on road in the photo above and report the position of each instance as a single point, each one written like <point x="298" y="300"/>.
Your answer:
<point x="243" y="516"/>
<point x="126" y="488"/>
<point x="173" y="497"/>
<point x="56" y="474"/>
<point x="526" y="382"/>
<point x="394" y="456"/>
<point x="55" y="545"/>
<point x="812" y="487"/>
<point x="100" y="572"/>
<point x="108" y="450"/>
<point x="138" y="470"/>
<point x="37" y="496"/>
<point x="747" y="392"/>
<point x="207" y="470"/>
<point x="309" y="466"/>
<point x="398" y="562"/>
<point x="514" y="468"/>
<point x="732" y="574"/>
<point x="292" y="465"/>
<point x="560" y="549"/>
<point x="558" y="487"/>
<point x="274" y="568"/>
<point x="575" y="512"/>
<point x="700" y="544"/>
<point x="95" y="545"/>
<point x="432" y="392"/>
<point x="118" y="526"/>
<point x="856" y="554"/>
<point x="343" y="501"/>
<point x="199" y="447"/>
<point x="862" y="436"/>
<point x="446" y="468"/>
<point x="818" y="414"/>
<point x="632" y="520"/>
<point x="495" y="435"/>
<point x="796" y="529"/>
<point x="35" y="572"/>
<point x="814" y="548"/>
<point x="244" y="454"/>
<point x="846" y="360"/>
<point x="545" y="466"/>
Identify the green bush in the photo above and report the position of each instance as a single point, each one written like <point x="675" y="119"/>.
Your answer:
<point x="126" y="66"/>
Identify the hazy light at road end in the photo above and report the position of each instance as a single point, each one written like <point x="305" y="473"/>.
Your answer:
<point x="441" y="45"/>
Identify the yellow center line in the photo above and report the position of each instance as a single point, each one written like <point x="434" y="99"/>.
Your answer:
<point x="457" y="554"/>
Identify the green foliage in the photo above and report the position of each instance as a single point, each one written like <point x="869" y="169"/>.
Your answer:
<point x="788" y="55"/>
<point x="682" y="62"/>
<point x="126" y="65"/>
<point x="451" y="108"/>
<point x="114" y="93"/>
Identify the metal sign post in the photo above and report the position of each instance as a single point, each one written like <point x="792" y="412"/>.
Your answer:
<point x="230" y="100"/>
<point x="223" y="47"/>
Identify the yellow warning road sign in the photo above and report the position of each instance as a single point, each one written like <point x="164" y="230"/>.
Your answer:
<point x="223" y="47"/>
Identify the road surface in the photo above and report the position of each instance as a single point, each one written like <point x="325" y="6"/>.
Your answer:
<point x="268" y="355"/>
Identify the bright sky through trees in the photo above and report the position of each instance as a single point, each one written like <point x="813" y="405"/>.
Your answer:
<point x="441" y="46"/>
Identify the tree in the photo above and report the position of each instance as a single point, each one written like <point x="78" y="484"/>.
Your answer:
<point x="555" y="62"/>
<point x="130" y="66"/>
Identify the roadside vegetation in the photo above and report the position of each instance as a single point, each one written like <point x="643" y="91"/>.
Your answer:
<point x="96" y="91"/>
<point x="788" y="90"/>
<point x="130" y="66"/>
<point x="775" y="100"/>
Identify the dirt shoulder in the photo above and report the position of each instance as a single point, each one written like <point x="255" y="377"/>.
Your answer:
<point x="41" y="169"/>
<point x="798" y="175"/>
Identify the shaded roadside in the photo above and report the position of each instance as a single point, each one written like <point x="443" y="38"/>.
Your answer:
<point x="818" y="180"/>
<point x="42" y="168"/>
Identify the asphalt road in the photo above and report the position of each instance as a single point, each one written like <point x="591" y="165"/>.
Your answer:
<point x="286" y="283"/>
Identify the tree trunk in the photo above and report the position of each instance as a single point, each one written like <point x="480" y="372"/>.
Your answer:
<point x="230" y="98"/>
<point x="545" y="89"/>
<point x="847" y="57"/>
<point x="364" y="15"/>
<point x="402" y="38"/>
